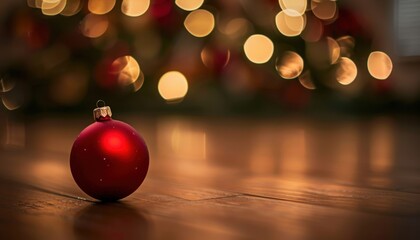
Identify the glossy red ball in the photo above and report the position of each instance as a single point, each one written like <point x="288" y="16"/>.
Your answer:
<point x="109" y="160"/>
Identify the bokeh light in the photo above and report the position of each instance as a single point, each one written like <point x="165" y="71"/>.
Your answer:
<point x="14" y="96"/>
<point x="94" y="26"/>
<point x="333" y="49"/>
<point x="134" y="8"/>
<point x="289" y="26"/>
<point x="9" y="104"/>
<point x="324" y="9"/>
<point x="127" y="70"/>
<point x="305" y="79"/>
<point x="313" y="30"/>
<point x="52" y="7"/>
<point x="293" y="7"/>
<point x="138" y="83"/>
<point x="100" y="6"/>
<point x="173" y="86"/>
<point x="199" y="23"/>
<point x="6" y="85"/>
<point x="215" y="59"/>
<point x="189" y="5"/>
<point x="258" y="48"/>
<point x="346" y="44"/>
<point x="290" y="65"/>
<point x="72" y="8"/>
<point x="346" y="71"/>
<point x="379" y="65"/>
<point x="34" y="3"/>
<point x="235" y="28"/>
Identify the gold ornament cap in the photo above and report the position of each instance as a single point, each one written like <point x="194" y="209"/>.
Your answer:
<point x="102" y="112"/>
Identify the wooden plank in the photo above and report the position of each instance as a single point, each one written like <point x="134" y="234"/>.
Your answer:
<point x="146" y="216"/>
<point x="210" y="180"/>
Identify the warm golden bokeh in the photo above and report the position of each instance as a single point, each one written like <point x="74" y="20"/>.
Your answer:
<point x="313" y="30"/>
<point x="324" y="9"/>
<point x="346" y="71"/>
<point x="127" y="70"/>
<point x="293" y="7"/>
<point x="52" y="7"/>
<point x="189" y="5"/>
<point x="333" y="49"/>
<point x="72" y="8"/>
<point x="379" y="65"/>
<point x="305" y="80"/>
<point x="13" y="101"/>
<point x="6" y="85"/>
<point x="199" y="23"/>
<point x="209" y="58"/>
<point x="173" y="86"/>
<point x="34" y="3"/>
<point x="134" y="8"/>
<point x="235" y="28"/>
<point x="94" y="26"/>
<point x="289" y="65"/>
<point x="258" y="48"/>
<point x="138" y="83"/>
<point x="346" y="44"/>
<point x="290" y="26"/>
<point x="100" y="6"/>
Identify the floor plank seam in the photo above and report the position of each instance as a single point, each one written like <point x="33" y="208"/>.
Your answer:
<point x="222" y="197"/>
<point x="329" y="206"/>
<point x="37" y="188"/>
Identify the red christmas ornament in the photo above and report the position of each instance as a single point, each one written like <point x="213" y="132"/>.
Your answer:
<point x="109" y="159"/>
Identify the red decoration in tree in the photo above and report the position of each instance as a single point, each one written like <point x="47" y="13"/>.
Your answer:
<point x="109" y="160"/>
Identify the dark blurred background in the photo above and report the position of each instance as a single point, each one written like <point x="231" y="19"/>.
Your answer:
<point x="240" y="57"/>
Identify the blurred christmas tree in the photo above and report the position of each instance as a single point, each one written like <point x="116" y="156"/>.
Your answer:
<point x="198" y="56"/>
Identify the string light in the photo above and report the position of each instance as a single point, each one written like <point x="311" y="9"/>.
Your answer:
<point x="333" y="49"/>
<point x="94" y="26"/>
<point x="127" y="70"/>
<point x="72" y="8"/>
<point x="288" y="25"/>
<point x="258" y="48"/>
<point x="290" y="65"/>
<point x="325" y="9"/>
<point x="306" y="80"/>
<point x="379" y="65"/>
<point x="173" y="86"/>
<point x="100" y="6"/>
<point x="199" y="23"/>
<point x="346" y="44"/>
<point x="189" y="5"/>
<point x="302" y="18"/>
<point x="346" y="71"/>
<point x="53" y="7"/>
<point x="135" y="8"/>
<point x="293" y="7"/>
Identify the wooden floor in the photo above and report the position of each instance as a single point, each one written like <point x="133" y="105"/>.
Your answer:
<point x="288" y="178"/>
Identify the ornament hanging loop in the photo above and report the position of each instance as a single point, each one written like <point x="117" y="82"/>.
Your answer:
<point x="100" y="102"/>
<point x="102" y="112"/>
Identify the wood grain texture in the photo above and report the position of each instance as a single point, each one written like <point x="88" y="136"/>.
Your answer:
<point x="224" y="179"/>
